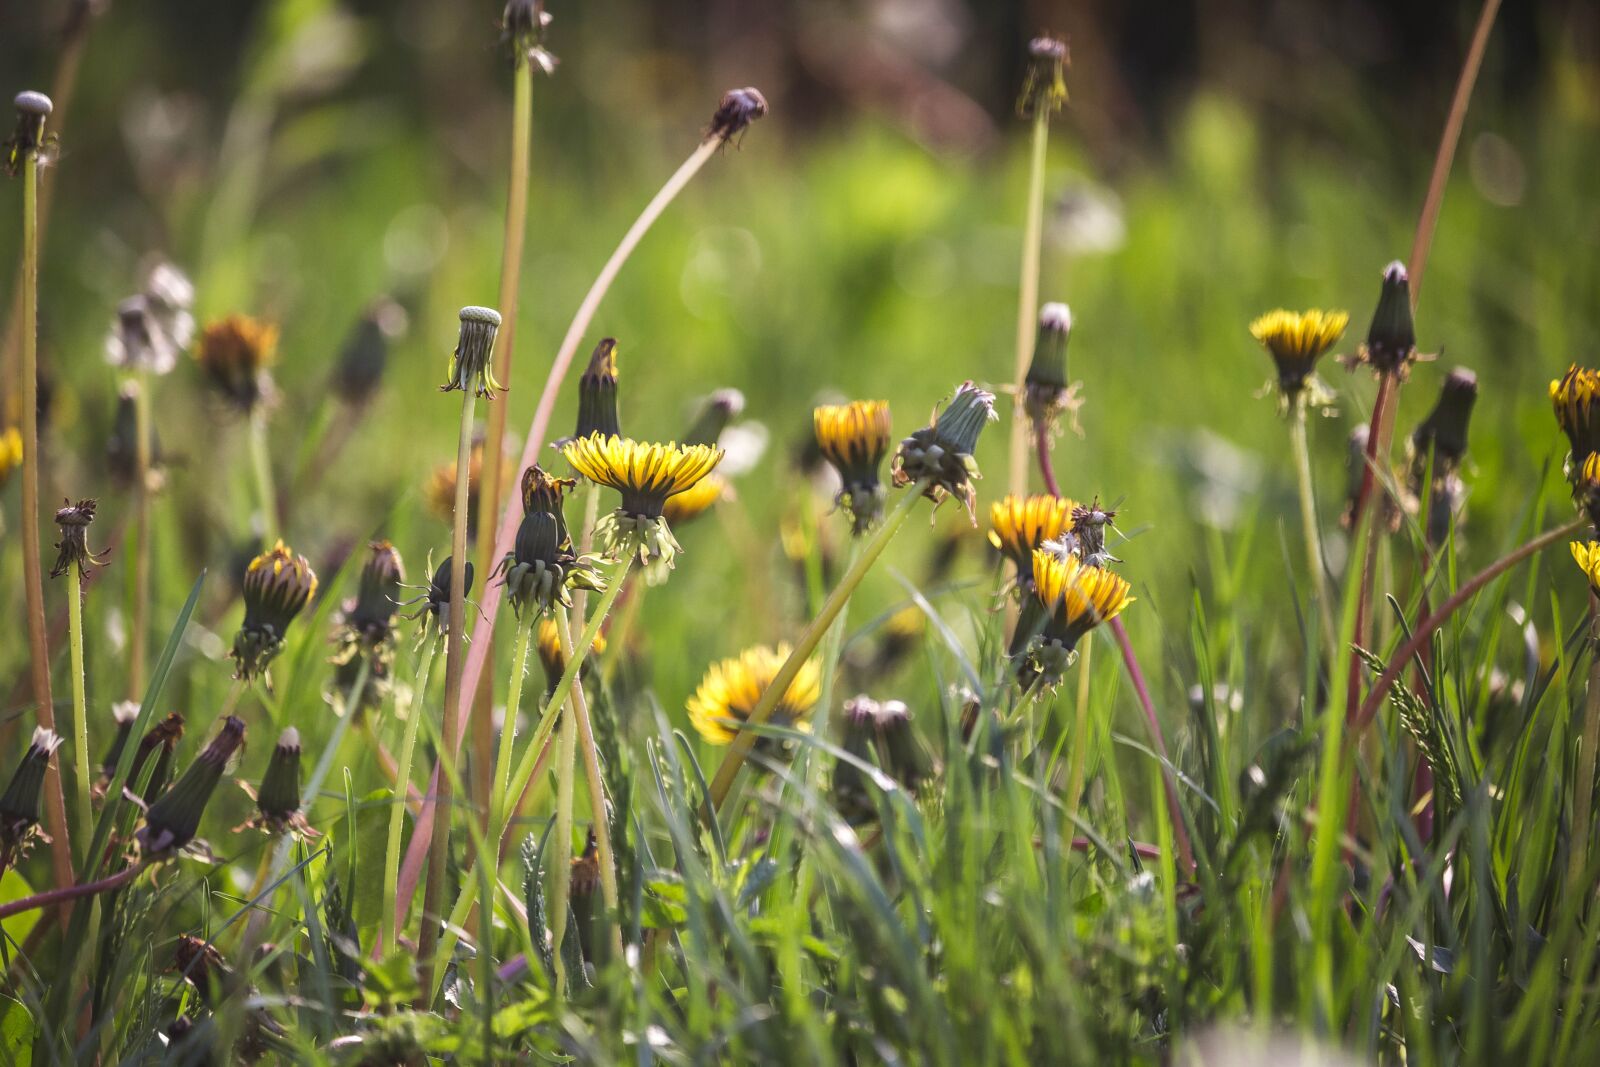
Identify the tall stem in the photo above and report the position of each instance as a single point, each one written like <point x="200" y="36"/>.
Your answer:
<point x="1308" y="523"/>
<point x="489" y="485"/>
<point x="397" y="815"/>
<point x="80" y="709"/>
<point x="70" y="892"/>
<point x="1080" y="738"/>
<point x="1028" y="300"/>
<point x="1130" y="660"/>
<point x="261" y="463"/>
<point x="831" y="608"/>
<point x="444" y="789"/>
<point x="1047" y="466"/>
<point x="1583" y="783"/>
<point x="832" y="645"/>
<point x="508" y="729"/>
<point x="38" y="644"/>
<point x="142" y="459"/>
<point x="561" y="837"/>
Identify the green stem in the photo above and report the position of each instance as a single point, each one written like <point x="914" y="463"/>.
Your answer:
<point x="1028" y="300"/>
<point x="831" y="647"/>
<point x="80" y="707"/>
<point x="508" y="729"/>
<point x="331" y="750"/>
<point x="1080" y="740"/>
<point x="561" y="839"/>
<point x="1583" y="784"/>
<point x="1308" y="523"/>
<point x="261" y="462"/>
<point x="140" y="624"/>
<point x="408" y="747"/>
<point x="870" y="551"/>
<point x="439" y="845"/>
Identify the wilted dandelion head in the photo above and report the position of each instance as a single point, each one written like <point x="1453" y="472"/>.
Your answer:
<point x="1089" y="525"/>
<point x="1576" y="399"/>
<point x="368" y="618"/>
<point x="854" y="437"/>
<point x="1296" y="340"/>
<point x="19" y="804"/>
<point x="597" y="394"/>
<point x="172" y="821"/>
<point x="472" y="363"/>
<point x="1046" y="391"/>
<point x="1019" y="525"/>
<point x="547" y="640"/>
<point x="277" y="586"/>
<point x="1075" y="597"/>
<point x="541" y="566"/>
<point x="73" y="549"/>
<point x="1044" y="87"/>
<point x="737" y="110"/>
<point x="234" y="354"/>
<point x="278" y="798"/>
<point x="1391" y="345"/>
<point x="646" y="475"/>
<point x="733" y="687"/>
<point x="941" y="454"/>
<point x="10" y="453"/>
<point x="32" y="110"/>
<point x="522" y="27"/>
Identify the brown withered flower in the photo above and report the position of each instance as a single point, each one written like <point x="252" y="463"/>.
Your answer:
<point x="73" y="548"/>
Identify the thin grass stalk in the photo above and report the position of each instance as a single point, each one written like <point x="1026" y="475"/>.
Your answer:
<point x="1080" y="738"/>
<point x="38" y="643"/>
<point x="561" y="839"/>
<point x="1130" y="660"/>
<point x="80" y="709"/>
<point x="1308" y="522"/>
<point x="831" y="608"/>
<point x="508" y="729"/>
<point x="444" y="792"/>
<point x="1583" y="783"/>
<point x="390" y="917"/>
<point x="505" y="536"/>
<point x="261" y="465"/>
<point x="1028" y="300"/>
<point x="510" y="287"/>
<point x="140" y="623"/>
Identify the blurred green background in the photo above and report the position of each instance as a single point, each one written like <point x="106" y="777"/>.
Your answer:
<point x="299" y="158"/>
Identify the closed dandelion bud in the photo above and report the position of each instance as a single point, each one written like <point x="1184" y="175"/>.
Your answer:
<point x="472" y="365"/>
<point x="1392" y="338"/>
<point x="732" y="688"/>
<point x="365" y="355"/>
<point x="1076" y="597"/>
<point x="278" y="799"/>
<point x="32" y="110"/>
<point x="1444" y="432"/>
<point x="738" y="109"/>
<point x="597" y="394"/>
<point x="541" y="567"/>
<point x="10" y="453"/>
<point x="1019" y="525"/>
<point x="852" y="794"/>
<point x="1296" y="340"/>
<point x="854" y="438"/>
<point x="899" y="752"/>
<point x="234" y="355"/>
<point x="585" y="893"/>
<point x="19" y="804"/>
<point x="547" y="639"/>
<point x="160" y="741"/>
<point x="645" y="475"/>
<point x="1576" y="399"/>
<point x="73" y="549"/>
<point x="942" y="454"/>
<point x="122" y="447"/>
<point x="435" y="600"/>
<point x="1044" y="87"/>
<point x="123" y="713"/>
<point x="369" y="618"/>
<point x="171" y="822"/>
<point x="1046" y="390"/>
<point x="716" y="412"/>
<point x="277" y="587"/>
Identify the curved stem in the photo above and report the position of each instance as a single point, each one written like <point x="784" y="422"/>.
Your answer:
<point x="1308" y="523"/>
<point x="1028" y="300"/>
<point x="70" y="892"/>
<point x="261" y="463"/>
<point x="870" y="551"/>
<point x="391" y="917"/>
<point x="1047" y="466"/>
<point x="1131" y="661"/>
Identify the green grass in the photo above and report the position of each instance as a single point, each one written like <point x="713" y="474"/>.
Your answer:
<point x="959" y="924"/>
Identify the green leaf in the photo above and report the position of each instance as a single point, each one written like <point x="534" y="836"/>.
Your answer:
<point x="16" y="1030"/>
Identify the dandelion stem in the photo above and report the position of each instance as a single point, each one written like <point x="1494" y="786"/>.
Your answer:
<point x="1028" y="299"/>
<point x="141" y="559"/>
<point x="1080" y="736"/>
<point x="508" y="729"/>
<point x="397" y="814"/>
<point x="831" y="609"/>
<point x="444" y="791"/>
<point x="80" y="709"/>
<point x="70" y="892"/>
<point x="261" y="462"/>
<point x="832" y="645"/>
<point x="561" y="838"/>
<point x="330" y="751"/>
<point x="1047" y="466"/>
<point x="38" y="644"/>
<point x="1131" y="661"/>
<point x="1308" y="523"/>
<point x="1583" y="784"/>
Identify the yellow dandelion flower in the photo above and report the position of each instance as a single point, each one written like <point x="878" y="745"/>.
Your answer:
<point x="1076" y="596"/>
<point x="647" y="475"/>
<point x="854" y="437"/>
<point x="732" y="688"/>
<point x="547" y="639"/>
<point x="694" y="501"/>
<point x="1574" y="397"/>
<point x="234" y="353"/>
<point x="1587" y="557"/>
<point x="1018" y="525"/>
<point x="10" y="453"/>
<point x="1296" y="340"/>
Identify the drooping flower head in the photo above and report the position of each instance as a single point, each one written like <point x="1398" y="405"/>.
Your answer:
<point x="234" y="355"/>
<point x="472" y="364"/>
<point x="1576" y="399"/>
<point x="1019" y="525"/>
<point x="646" y="475"/>
<point x="547" y="639"/>
<point x="1047" y="394"/>
<point x="73" y="549"/>
<point x="1296" y="340"/>
<point x="854" y="437"/>
<point x="733" y="687"/>
<point x="541" y="568"/>
<point x="19" y="804"/>
<point x="277" y="586"/>
<point x="278" y="799"/>
<point x="1044" y="89"/>
<point x="1391" y="345"/>
<point x="1075" y="598"/>
<point x="597" y="394"/>
<point x="171" y="822"/>
<point x="737" y="110"/>
<point x="942" y="454"/>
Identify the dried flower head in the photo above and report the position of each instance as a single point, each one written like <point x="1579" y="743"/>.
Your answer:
<point x="597" y="394"/>
<point x="1391" y="345"/>
<point x="1296" y="340"/>
<point x="472" y="364"/>
<point x="1576" y="399"/>
<point x="171" y="822"/>
<point x="200" y="963"/>
<point x="234" y="355"/>
<point x="854" y="437"/>
<point x="738" y="109"/>
<point x="1089" y="525"/>
<point x="1587" y="556"/>
<point x="1047" y="395"/>
<point x="435" y="599"/>
<point x="1044" y="87"/>
<point x="646" y="475"/>
<point x="522" y="28"/>
<point x="29" y="138"/>
<point x="160" y="741"/>
<point x="942" y="454"/>
<point x="365" y="355"/>
<point x="10" y="453"/>
<point x="541" y="568"/>
<point x="277" y="586"/>
<point x="73" y="549"/>
<point x="1075" y="597"/>
<point x="732" y="688"/>
<point x="715" y="413"/>
<point x="19" y="804"/>
<point x="155" y="325"/>
<point x="1019" y="525"/>
<point x="547" y="639"/>
<point x="899" y="752"/>
<point x="278" y="800"/>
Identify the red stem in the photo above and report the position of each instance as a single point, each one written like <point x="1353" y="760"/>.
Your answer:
<point x="1047" y="467"/>
<point x="72" y="892"/>
<point x="1131" y="661"/>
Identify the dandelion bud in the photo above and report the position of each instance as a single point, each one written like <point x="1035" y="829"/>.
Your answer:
<point x="370" y="617"/>
<point x="10" y="453"/>
<point x="547" y="639"/>
<point x="73" y="548"/>
<point x="278" y="799"/>
<point x="19" y="805"/>
<point x="716" y="412"/>
<point x="541" y="566"/>
<point x="365" y="355"/>
<point x="1574" y="396"/>
<point x="852" y="794"/>
<point x="854" y="437"/>
<point x="171" y="821"/>
<point x="472" y="366"/>
<point x="1444" y="431"/>
<point x="898" y="749"/>
<point x="32" y="110"/>
<point x="234" y="355"/>
<point x="941" y="454"/>
<point x="124" y="713"/>
<point x="738" y="109"/>
<point x="1046" y="392"/>
<point x="277" y="586"/>
<point x="597" y="394"/>
<point x="162" y="741"/>
<point x="1044" y="87"/>
<point x="1392" y="338"/>
<point x="436" y="599"/>
<point x="122" y="446"/>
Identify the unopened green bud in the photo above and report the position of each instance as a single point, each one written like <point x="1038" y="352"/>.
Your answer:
<point x="171" y="822"/>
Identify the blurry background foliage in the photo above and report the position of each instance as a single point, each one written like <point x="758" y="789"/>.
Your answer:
<point x="301" y="157"/>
